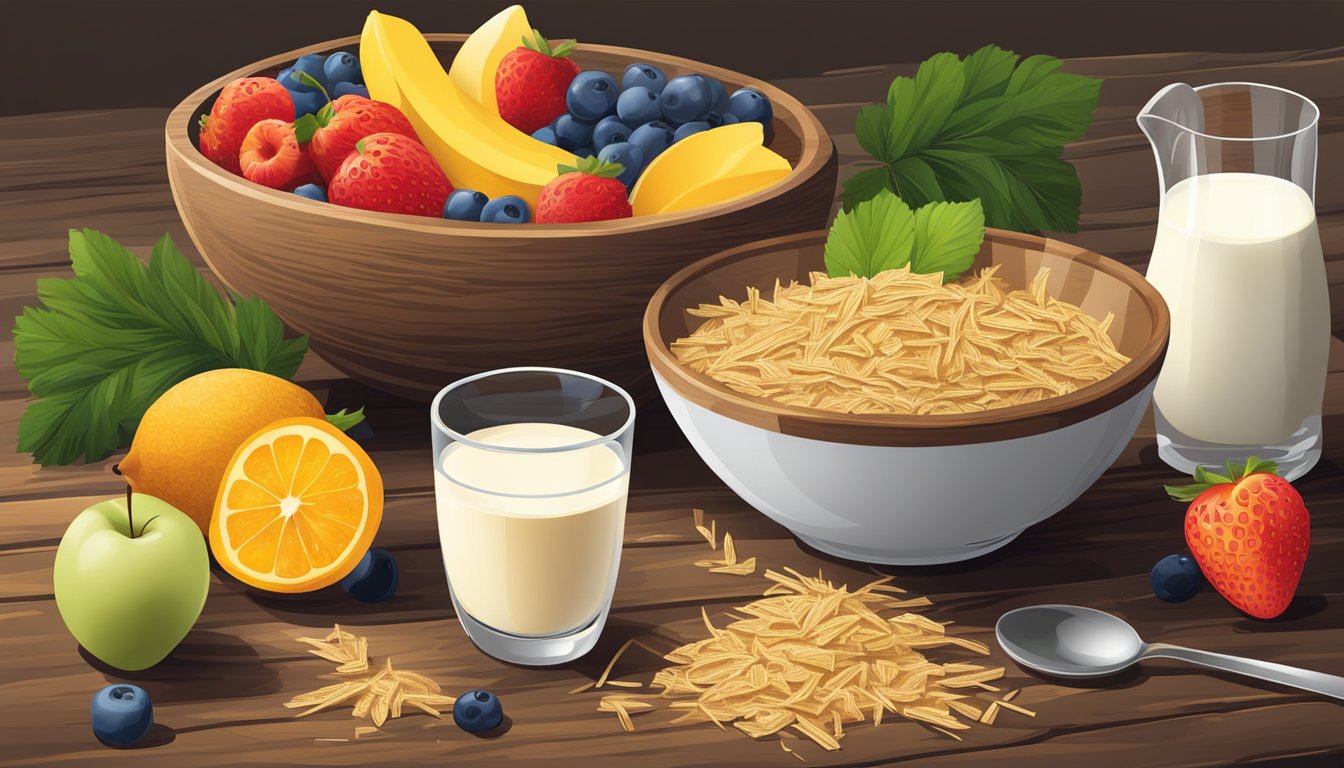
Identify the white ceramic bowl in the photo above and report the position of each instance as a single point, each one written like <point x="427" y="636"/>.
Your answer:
<point x="912" y="490"/>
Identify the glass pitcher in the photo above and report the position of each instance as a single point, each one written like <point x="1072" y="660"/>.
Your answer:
<point x="1238" y="260"/>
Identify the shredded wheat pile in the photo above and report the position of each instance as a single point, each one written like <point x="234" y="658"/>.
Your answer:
<point x="901" y="343"/>
<point x="812" y="657"/>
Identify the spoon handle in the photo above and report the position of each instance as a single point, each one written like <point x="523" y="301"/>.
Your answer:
<point x="1305" y="679"/>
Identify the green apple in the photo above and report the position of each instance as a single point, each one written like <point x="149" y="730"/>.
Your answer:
<point x="130" y="596"/>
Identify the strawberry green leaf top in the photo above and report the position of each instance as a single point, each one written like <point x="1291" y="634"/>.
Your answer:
<point x="1204" y="479"/>
<point x="538" y="42"/>
<point x="592" y="166"/>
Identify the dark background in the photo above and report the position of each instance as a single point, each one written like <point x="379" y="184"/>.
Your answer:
<point x="67" y="54"/>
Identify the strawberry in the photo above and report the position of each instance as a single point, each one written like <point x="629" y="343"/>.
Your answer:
<point x="1249" y="531"/>
<point x="271" y="156"/>
<point x="331" y="134"/>
<point x="590" y="192"/>
<point x="531" y="81"/>
<point x="392" y="173"/>
<point x="241" y="105"/>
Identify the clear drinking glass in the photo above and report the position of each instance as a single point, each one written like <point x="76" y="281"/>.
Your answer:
<point x="1238" y="259"/>
<point x="531" y="476"/>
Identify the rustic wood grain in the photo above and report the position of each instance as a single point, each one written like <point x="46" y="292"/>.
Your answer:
<point x="218" y="695"/>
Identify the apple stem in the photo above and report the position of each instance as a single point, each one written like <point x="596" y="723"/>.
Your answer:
<point x="130" y="519"/>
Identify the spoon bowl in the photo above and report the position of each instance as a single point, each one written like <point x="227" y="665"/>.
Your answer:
<point x="1068" y="641"/>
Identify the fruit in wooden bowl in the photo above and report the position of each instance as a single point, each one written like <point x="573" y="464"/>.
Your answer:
<point x="920" y="488"/>
<point x="409" y="303"/>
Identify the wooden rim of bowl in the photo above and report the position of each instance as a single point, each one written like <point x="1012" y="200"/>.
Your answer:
<point x="817" y="151"/>
<point x="904" y="430"/>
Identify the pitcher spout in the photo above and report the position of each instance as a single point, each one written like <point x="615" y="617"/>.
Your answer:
<point x="1173" y="120"/>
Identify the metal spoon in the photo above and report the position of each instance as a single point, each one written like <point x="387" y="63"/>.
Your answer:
<point x="1070" y="641"/>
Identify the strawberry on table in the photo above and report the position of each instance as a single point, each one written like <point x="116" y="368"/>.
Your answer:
<point x="241" y="104"/>
<point x="332" y="133"/>
<point x="589" y="192"/>
<point x="531" y="82"/>
<point x="271" y="156"/>
<point x="392" y="173"/>
<point x="1249" y="530"/>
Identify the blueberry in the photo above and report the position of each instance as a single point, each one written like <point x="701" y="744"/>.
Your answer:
<point x="342" y="67"/>
<point x="345" y="89"/>
<point x="686" y="129"/>
<point x="571" y="132"/>
<point x="374" y="579"/>
<point x="477" y="711"/>
<point x="610" y="130"/>
<point x="719" y="102"/>
<point x="361" y="433"/>
<point x="638" y="105"/>
<point x="714" y="119"/>
<point x="645" y="75"/>
<point x="592" y="95"/>
<point x="628" y="155"/>
<point x="313" y="65"/>
<point x="653" y="138"/>
<point x="282" y="77"/>
<point x="586" y="150"/>
<point x="508" y="209"/>
<point x="1175" y="578"/>
<point x="687" y="99"/>
<point x="729" y="118"/>
<point x="307" y="103"/>
<point x="750" y="104"/>
<point x="121" y="714"/>
<point x="465" y="205"/>
<point x="312" y="192"/>
<point x="545" y="135"/>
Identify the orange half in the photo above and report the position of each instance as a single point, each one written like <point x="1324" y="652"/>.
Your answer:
<point x="297" y="508"/>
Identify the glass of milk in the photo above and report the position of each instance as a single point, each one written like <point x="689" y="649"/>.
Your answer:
<point x="531" y="476"/>
<point x="1238" y="260"/>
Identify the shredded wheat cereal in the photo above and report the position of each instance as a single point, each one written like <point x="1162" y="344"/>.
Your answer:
<point x="901" y="343"/>
<point x="812" y="657"/>
<point x="377" y="696"/>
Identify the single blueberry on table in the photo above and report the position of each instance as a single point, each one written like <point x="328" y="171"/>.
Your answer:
<point x="645" y="75"/>
<point x="312" y="192"/>
<point x="687" y="99"/>
<point x="749" y="104"/>
<point x="653" y="138"/>
<point x="610" y="130"/>
<point x="592" y="95"/>
<point x="630" y="156"/>
<point x="1175" y="578"/>
<point x="465" y="205"/>
<point x="121" y="714"/>
<point x="313" y="64"/>
<point x="478" y="711"/>
<point x="571" y="132"/>
<point x="342" y="67"/>
<point x="686" y="129"/>
<point x="507" y="209"/>
<point x="347" y="89"/>
<point x="638" y="105"/>
<point x="374" y="579"/>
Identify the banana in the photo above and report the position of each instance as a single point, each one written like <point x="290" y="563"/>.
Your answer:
<point x="478" y="59"/>
<point x="693" y="162"/>
<point x="725" y="189"/>
<point x="473" y="145"/>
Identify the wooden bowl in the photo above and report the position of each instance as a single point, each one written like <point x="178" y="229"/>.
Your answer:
<point x="912" y="489"/>
<point x="409" y="304"/>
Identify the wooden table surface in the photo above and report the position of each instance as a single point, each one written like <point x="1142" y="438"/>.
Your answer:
<point x="218" y="696"/>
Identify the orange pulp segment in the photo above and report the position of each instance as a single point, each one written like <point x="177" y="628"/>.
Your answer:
<point x="298" y="507"/>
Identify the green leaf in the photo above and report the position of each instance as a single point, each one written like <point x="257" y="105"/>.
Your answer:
<point x="989" y="127"/>
<point x="104" y="345"/>
<point x="305" y="127"/>
<point x="947" y="238"/>
<point x="878" y="234"/>
<point x="344" y="420"/>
